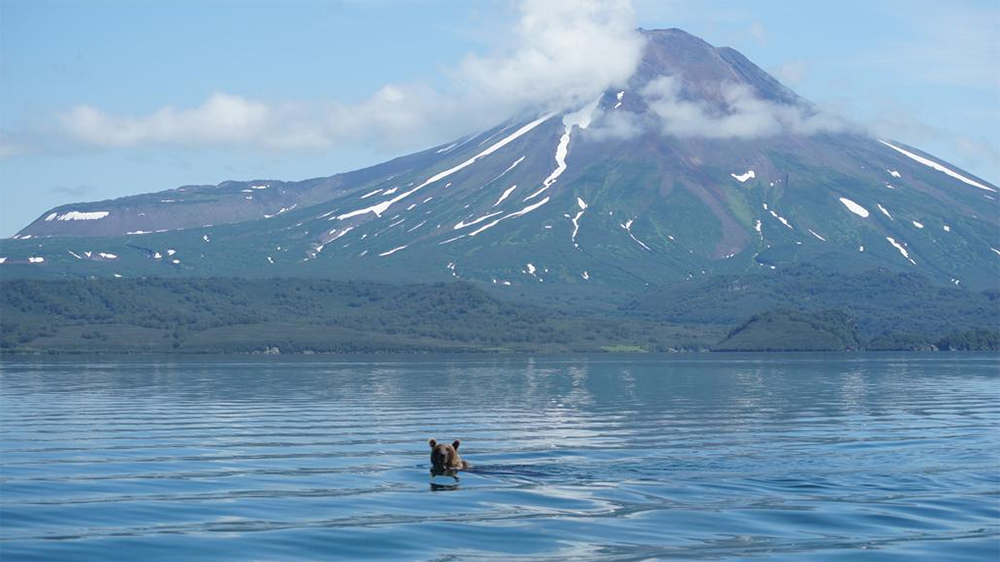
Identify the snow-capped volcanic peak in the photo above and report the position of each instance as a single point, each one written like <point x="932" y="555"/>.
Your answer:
<point x="659" y="178"/>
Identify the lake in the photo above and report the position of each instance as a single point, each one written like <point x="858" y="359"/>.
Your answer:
<point x="605" y="457"/>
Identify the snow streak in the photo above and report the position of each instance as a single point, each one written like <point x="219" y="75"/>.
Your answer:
<point x="580" y="119"/>
<point x="628" y="228"/>
<point x="384" y="205"/>
<point x="938" y="167"/>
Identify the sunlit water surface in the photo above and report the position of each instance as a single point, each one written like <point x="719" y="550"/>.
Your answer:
<point x="720" y="457"/>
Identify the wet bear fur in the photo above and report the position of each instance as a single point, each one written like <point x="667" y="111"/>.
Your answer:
<point x="445" y="457"/>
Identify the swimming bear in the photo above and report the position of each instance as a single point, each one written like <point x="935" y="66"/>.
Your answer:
<point x="445" y="457"/>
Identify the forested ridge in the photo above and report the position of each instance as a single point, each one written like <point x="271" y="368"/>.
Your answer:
<point x="231" y="315"/>
<point x="297" y="315"/>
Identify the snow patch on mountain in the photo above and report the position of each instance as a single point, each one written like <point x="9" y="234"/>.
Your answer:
<point x="505" y="195"/>
<point x="938" y="167"/>
<point x="742" y="178"/>
<point x="580" y="119"/>
<point x="515" y="214"/>
<point x="383" y="206"/>
<point x="511" y="167"/>
<point x="81" y="216"/>
<point x="576" y="221"/>
<point x="339" y="234"/>
<point x="392" y="251"/>
<point x="901" y="248"/>
<point x="780" y="218"/>
<point x="463" y="224"/>
<point x="854" y="207"/>
<point x="281" y="210"/>
<point x="628" y="228"/>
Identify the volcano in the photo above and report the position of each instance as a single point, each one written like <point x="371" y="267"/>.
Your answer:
<point x="701" y="165"/>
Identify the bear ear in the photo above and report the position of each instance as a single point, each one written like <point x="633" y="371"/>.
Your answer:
<point x="456" y="444"/>
<point x="432" y="443"/>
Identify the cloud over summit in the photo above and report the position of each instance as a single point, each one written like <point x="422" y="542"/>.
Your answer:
<point x="559" y="54"/>
<point x="741" y="114"/>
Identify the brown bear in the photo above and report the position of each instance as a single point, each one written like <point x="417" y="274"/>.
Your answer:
<point x="445" y="457"/>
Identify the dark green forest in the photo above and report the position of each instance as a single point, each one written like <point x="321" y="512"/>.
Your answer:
<point x="788" y="330"/>
<point x="800" y="310"/>
<point x="885" y="306"/>
<point x="301" y="316"/>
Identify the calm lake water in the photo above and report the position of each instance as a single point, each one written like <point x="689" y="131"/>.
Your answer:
<point x="719" y="457"/>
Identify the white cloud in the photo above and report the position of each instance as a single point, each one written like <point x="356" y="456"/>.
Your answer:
<point x="222" y="118"/>
<point x="739" y="115"/>
<point x="559" y="54"/>
<point x="758" y="33"/>
<point x="792" y="73"/>
<point x="616" y="125"/>
<point x="978" y="151"/>
<point x="564" y="53"/>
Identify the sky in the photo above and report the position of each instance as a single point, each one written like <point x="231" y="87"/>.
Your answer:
<point x="100" y="100"/>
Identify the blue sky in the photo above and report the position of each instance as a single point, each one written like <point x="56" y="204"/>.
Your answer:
<point x="104" y="99"/>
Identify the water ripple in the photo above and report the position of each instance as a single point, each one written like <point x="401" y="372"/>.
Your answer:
<point x="839" y="457"/>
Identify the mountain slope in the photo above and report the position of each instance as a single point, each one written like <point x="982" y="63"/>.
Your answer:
<point x="659" y="182"/>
